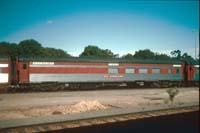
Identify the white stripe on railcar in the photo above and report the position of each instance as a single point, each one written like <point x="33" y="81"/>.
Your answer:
<point x="175" y="65"/>
<point x="3" y="78"/>
<point x="113" y="64"/>
<point x="196" y="65"/>
<point x="3" y="65"/>
<point x="42" y="63"/>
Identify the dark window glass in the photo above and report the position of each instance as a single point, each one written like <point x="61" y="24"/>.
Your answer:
<point x="24" y="66"/>
<point x="177" y="70"/>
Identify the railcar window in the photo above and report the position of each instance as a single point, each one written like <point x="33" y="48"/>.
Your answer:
<point x="177" y="70"/>
<point x="197" y="70"/>
<point x="169" y="71"/>
<point x="129" y="70"/>
<point x="155" y="70"/>
<point x="143" y="70"/>
<point x="24" y="66"/>
<point x="112" y="70"/>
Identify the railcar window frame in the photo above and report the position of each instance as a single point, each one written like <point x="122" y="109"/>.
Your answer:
<point x="143" y="70"/>
<point x="197" y="70"/>
<point x="113" y="70"/>
<point x="177" y="70"/>
<point x="169" y="71"/>
<point x="155" y="70"/>
<point x="129" y="70"/>
<point x="24" y="66"/>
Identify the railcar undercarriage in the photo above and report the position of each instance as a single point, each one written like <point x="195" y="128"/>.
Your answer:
<point x="62" y="86"/>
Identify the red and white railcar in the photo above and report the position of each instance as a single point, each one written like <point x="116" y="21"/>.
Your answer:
<point x="4" y="70"/>
<point x="87" y="70"/>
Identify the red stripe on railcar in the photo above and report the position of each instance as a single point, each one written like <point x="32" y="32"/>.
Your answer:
<point x="136" y="70"/>
<point x="164" y="71"/>
<point x="68" y="70"/>
<point x="4" y="70"/>
<point x="173" y="70"/>
<point x="149" y="71"/>
<point x="147" y="65"/>
<point x="81" y="63"/>
<point x="121" y="70"/>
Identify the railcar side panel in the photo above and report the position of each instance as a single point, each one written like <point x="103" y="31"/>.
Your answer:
<point x="196" y="72"/>
<point x="191" y="73"/>
<point x="68" y="70"/>
<point x="4" y="71"/>
<point x="23" y="72"/>
<point x="96" y="72"/>
<point x="101" y="77"/>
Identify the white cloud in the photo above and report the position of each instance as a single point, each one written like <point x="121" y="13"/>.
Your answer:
<point x="76" y="54"/>
<point x="191" y="51"/>
<point x="121" y="53"/>
<point x="49" y="22"/>
<point x="163" y="51"/>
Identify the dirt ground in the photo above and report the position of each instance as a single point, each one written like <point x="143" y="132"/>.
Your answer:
<point x="26" y="105"/>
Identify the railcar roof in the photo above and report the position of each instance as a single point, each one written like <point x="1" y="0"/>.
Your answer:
<point x="195" y="62"/>
<point x="99" y="60"/>
<point x="4" y="58"/>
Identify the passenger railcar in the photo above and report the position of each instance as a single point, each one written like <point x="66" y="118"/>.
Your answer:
<point x="84" y="73"/>
<point x="4" y="70"/>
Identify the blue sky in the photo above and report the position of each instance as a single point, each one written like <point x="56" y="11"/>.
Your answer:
<point x="124" y="26"/>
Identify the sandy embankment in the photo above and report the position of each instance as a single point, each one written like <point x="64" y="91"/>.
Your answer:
<point x="81" y="106"/>
<point x="27" y="105"/>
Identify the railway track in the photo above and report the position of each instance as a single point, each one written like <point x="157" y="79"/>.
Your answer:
<point x="99" y="120"/>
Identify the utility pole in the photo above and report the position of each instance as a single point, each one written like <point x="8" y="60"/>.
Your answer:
<point x="195" y="44"/>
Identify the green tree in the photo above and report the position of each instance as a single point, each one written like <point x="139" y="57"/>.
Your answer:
<point x="176" y="54"/>
<point x="14" y="51"/>
<point x="52" y="52"/>
<point x="4" y="48"/>
<point x="187" y="57"/>
<point x="30" y="47"/>
<point x="162" y="56"/>
<point x="144" y="54"/>
<point x="9" y="49"/>
<point x="127" y="56"/>
<point x="94" y="51"/>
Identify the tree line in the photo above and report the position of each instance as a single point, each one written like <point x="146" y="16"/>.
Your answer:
<point x="31" y="48"/>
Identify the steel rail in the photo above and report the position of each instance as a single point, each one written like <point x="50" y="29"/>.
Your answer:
<point x="99" y="120"/>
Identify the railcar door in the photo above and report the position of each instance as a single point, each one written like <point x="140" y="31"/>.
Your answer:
<point x="13" y="70"/>
<point x="185" y="72"/>
<point x="23" y="72"/>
